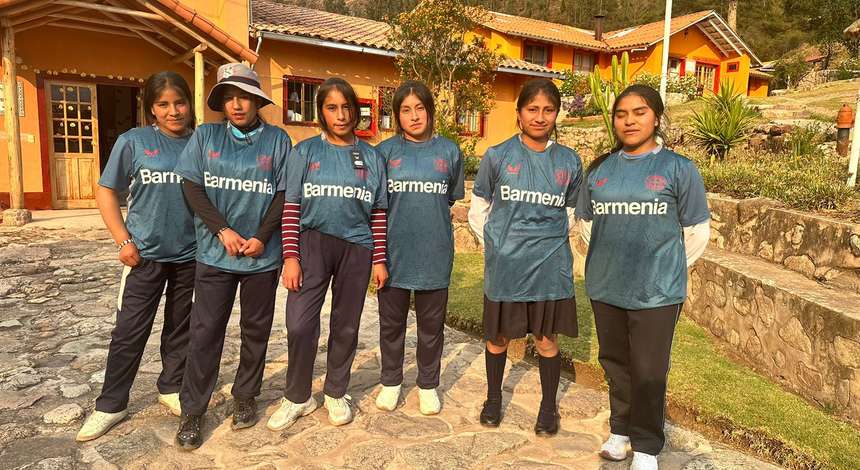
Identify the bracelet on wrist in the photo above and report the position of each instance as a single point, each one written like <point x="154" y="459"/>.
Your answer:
<point x="123" y="243"/>
<point x="222" y="230"/>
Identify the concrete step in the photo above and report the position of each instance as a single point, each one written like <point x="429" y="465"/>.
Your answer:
<point x="800" y="333"/>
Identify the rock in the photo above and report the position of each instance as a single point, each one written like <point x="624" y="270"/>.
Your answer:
<point x="685" y="440"/>
<point x="324" y="441"/>
<point x="433" y="456"/>
<point x="801" y="264"/>
<point x="5" y="325"/>
<point x="460" y="214"/>
<point x="373" y="455"/>
<point x="716" y="293"/>
<point x="64" y="414"/>
<point x="24" y="380"/>
<point x="74" y="391"/>
<point x="764" y="305"/>
<point x="98" y="377"/>
<point x="753" y="346"/>
<point x="16" y="400"/>
<point x="53" y="463"/>
<point x="854" y="243"/>
<point x="765" y="250"/>
<point x="397" y="424"/>
<point x="465" y="241"/>
<point x="13" y="431"/>
<point x="795" y="336"/>
<point x="38" y="300"/>
<point x="847" y="352"/>
<point x="130" y="448"/>
<point x="64" y="272"/>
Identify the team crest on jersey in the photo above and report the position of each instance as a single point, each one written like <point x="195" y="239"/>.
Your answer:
<point x="395" y="163"/>
<point x="150" y="153"/>
<point x="361" y="173"/>
<point x="514" y="169"/>
<point x="213" y="155"/>
<point x="313" y="166"/>
<point x="562" y="177"/>
<point x="600" y="183"/>
<point x="264" y="162"/>
<point x="441" y="165"/>
<point x="655" y="182"/>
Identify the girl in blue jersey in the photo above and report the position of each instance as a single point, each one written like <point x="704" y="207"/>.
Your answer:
<point x="425" y="177"/>
<point x="156" y="246"/>
<point x="650" y="222"/>
<point x="523" y="192"/>
<point x="234" y="174"/>
<point x="334" y="231"/>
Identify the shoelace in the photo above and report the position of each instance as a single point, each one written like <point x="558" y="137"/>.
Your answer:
<point x="344" y="399"/>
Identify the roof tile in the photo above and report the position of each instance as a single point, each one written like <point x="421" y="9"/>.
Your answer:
<point x="647" y="34"/>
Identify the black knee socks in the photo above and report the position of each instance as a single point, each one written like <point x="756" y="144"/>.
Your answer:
<point x="550" y="372"/>
<point x="495" y="374"/>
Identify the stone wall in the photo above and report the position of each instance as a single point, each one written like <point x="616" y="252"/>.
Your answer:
<point x="781" y="289"/>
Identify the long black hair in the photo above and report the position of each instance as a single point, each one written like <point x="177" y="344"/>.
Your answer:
<point x="532" y="89"/>
<point x="341" y="85"/>
<point x="155" y="86"/>
<point x="652" y="100"/>
<point x="424" y="95"/>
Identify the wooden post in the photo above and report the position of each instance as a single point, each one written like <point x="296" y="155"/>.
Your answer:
<point x="855" y="146"/>
<point x="199" y="84"/>
<point x="16" y="215"/>
<point x="664" y="67"/>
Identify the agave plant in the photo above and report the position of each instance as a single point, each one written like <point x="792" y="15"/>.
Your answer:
<point x="725" y="122"/>
<point x="603" y="93"/>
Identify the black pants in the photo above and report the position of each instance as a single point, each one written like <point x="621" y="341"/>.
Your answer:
<point x="347" y="266"/>
<point x="635" y="346"/>
<point x="140" y="291"/>
<point x="430" y="309"/>
<point x="215" y="292"/>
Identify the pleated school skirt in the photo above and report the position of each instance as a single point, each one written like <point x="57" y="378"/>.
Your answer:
<point x="510" y="320"/>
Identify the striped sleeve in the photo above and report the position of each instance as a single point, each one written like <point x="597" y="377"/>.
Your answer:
<point x="379" y="227"/>
<point x="290" y="230"/>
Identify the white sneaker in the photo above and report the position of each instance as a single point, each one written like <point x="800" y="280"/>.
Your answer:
<point x="339" y="411"/>
<point x="171" y="402"/>
<point x="388" y="397"/>
<point x="428" y="401"/>
<point x="615" y="448"/>
<point x="642" y="461"/>
<point x="99" y="423"/>
<point x="289" y="413"/>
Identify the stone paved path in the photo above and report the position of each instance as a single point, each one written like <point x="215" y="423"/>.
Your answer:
<point x="57" y="300"/>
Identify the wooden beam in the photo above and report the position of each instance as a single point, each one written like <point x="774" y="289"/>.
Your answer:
<point x="95" y="29"/>
<point x="38" y="15"/>
<point x="731" y="43"/>
<point x="199" y="83"/>
<point x="155" y="27"/>
<point x="146" y="37"/>
<point x="713" y="39"/>
<point x="35" y="24"/>
<point x="13" y="129"/>
<point x="111" y="9"/>
<point x="183" y="27"/>
<point x="32" y="5"/>
<point x="84" y="19"/>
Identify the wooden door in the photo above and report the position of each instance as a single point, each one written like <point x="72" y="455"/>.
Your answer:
<point x="74" y="151"/>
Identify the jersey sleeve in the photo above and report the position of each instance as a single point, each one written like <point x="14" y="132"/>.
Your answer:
<point x="456" y="188"/>
<point x="281" y="169"/>
<point x="380" y="199"/>
<point x="576" y="182"/>
<point x="485" y="181"/>
<point x="692" y="200"/>
<point x="190" y="165"/>
<point x="583" y="200"/>
<point x="297" y="165"/>
<point x="120" y="166"/>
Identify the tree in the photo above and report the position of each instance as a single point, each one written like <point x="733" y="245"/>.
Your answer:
<point x="336" y="6"/>
<point x="433" y="48"/>
<point x="826" y="22"/>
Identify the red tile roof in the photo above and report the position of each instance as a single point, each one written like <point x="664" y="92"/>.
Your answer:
<point x="542" y="30"/>
<point x="647" y="34"/>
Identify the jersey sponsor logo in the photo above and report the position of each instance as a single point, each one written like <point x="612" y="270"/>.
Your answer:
<point x="213" y="155"/>
<point x="654" y="207"/>
<point x="441" y="165"/>
<point x="395" y="163"/>
<point x="417" y="187"/>
<point x="313" y="166"/>
<point x="531" y="197"/>
<point x="150" y="153"/>
<point x="361" y="173"/>
<point x="331" y="190"/>
<point x="599" y="183"/>
<point x="562" y="177"/>
<point x="158" y="177"/>
<point x="237" y="184"/>
<point x="514" y="170"/>
<point x="655" y="182"/>
<point x="264" y="162"/>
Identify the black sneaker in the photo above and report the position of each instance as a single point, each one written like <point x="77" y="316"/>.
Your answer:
<point x="547" y="423"/>
<point x="190" y="436"/>
<point x="491" y="413"/>
<point x="244" y="413"/>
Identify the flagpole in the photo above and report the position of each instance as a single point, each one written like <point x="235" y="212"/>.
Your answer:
<point x="667" y="30"/>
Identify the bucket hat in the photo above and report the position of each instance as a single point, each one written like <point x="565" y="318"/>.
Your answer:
<point x="240" y="76"/>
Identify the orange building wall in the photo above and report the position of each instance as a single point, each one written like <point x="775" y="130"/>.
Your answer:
<point x="70" y="53"/>
<point x="365" y="72"/>
<point x="758" y="88"/>
<point x="229" y="15"/>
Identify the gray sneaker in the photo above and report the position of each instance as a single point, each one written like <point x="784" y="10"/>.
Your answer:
<point x="289" y="413"/>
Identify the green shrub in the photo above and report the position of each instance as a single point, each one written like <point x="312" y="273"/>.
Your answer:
<point x="686" y="85"/>
<point x="811" y="181"/>
<point x="470" y="165"/>
<point x="848" y="69"/>
<point x="725" y="121"/>
<point x="575" y="84"/>
<point x="806" y="139"/>
<point x="789" y="70"/>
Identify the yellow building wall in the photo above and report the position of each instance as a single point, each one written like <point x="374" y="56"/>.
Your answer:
<point x="562" y="57"/>
<point x="365" y="73"/>
<point x="70" y="53"/>
<point x="229" y="15"/>
<point x="758" y="88"/>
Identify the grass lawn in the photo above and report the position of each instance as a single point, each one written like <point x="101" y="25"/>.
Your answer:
<point x="707" y="391"/>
